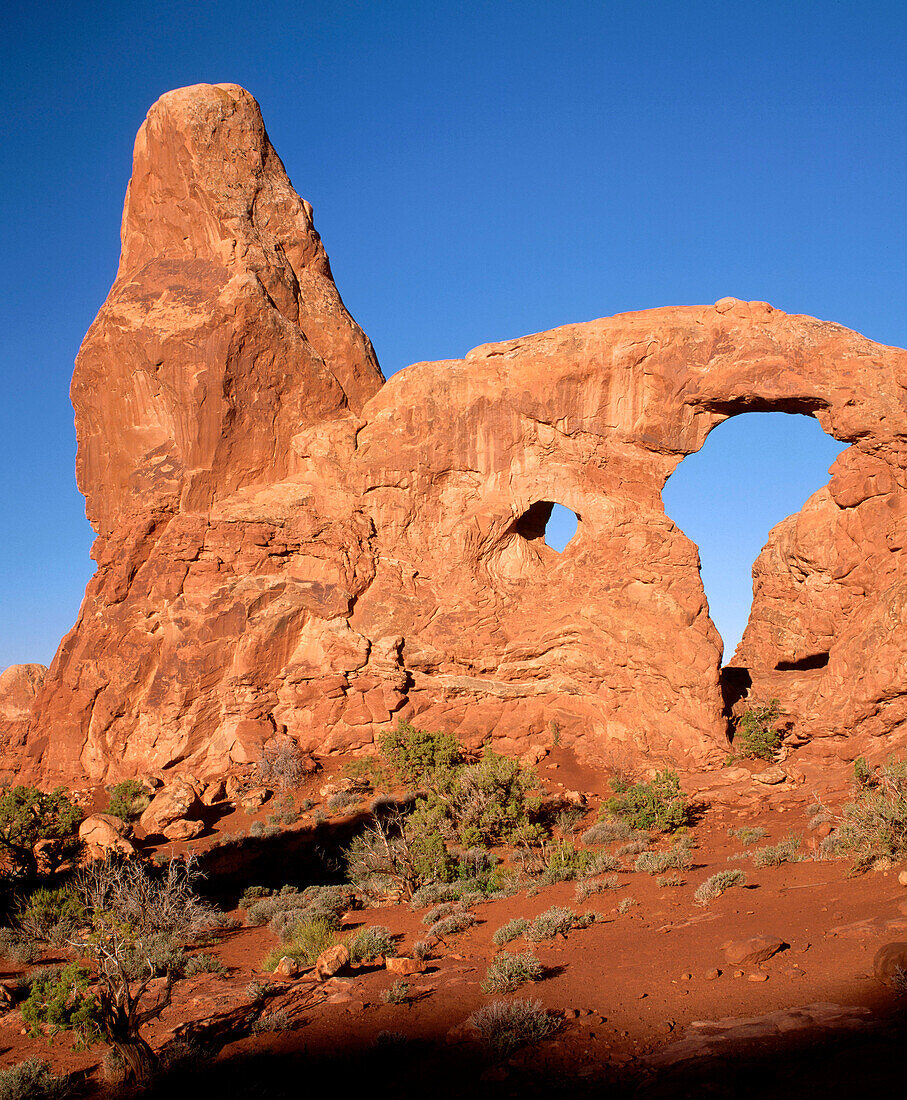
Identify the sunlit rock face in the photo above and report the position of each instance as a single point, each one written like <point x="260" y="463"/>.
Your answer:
<point x="286" y="542"/>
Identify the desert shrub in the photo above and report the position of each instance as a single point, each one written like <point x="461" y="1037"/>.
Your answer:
<point x="280" y="763"/>
<point x="655" y="863"/>
<point x="748" y="834"/>
<point x="658" y="805"/>
<point x="568" y="820"/>
<point x="602" y="863"/>
<point x="397" y="994"/>
<point x="391" y="1040"/>
<point x="422" y="949"/>
<point x="556" y="921"/>
<point x="257" y="990"/>
<point x="626" y="905"/>
<point x="16" y="948"/>
<point x="128" y="799"/>
<point x="566" y="863"/>
<point x="271" y="1021"/>
<point x="757" y="736"/>
<point x="417" y="755"/>
<point x="450" y="926"/>
<point x="604" y="832"/>
<point x="284" y="811"/>
<point x="48" y="915"/>
<point x="673" y="879"/>
<point x="32" y="1080"/>
<point x="342" y="800"/>
<point x="251" y="894"/>
<point x="487" y="803"/>
<point x="397" y="854"/>
<point x="203" y="964"/>
<point x="510" y="931"/>
<point x="508" y="1025"/>
<point x="874" y="825"/>
<point x="262" y="831"/>
<point x="284" y="910"/>
<point x="773" y="855"/>
<point x="28" y="815"/>
<point x="368" y="943"/>
<point x="435" y="893"/>
<point x="590" y="886"/>
<point x="714" y="886"/>
<point x="443" y="910"/>
<point x="306" y="942"/>
<point x="633" y="847"/>
<point x="508" y="972"/>
<point x="864" y="776"/>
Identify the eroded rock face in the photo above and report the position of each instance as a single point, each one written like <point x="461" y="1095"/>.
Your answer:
<point x="19" y="685"/>
<point x="288" y="546"/>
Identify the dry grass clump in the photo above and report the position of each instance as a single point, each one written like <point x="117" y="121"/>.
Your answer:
<point x="512" y="930"/>
<point x="508" y="1025"/>
<point x="716" y="885"/>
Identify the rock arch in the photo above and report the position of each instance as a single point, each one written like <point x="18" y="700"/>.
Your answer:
<point x="286" y="543"/>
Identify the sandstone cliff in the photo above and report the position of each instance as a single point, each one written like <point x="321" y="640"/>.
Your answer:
<point x="286" y="543"/>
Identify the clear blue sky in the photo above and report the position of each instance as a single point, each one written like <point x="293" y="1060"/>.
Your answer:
<point x="478" y="171"/>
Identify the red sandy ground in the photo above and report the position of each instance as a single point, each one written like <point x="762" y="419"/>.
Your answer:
<point x="629" y="987"/>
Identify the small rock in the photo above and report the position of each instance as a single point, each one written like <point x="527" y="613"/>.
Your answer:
<point x="711" y="975"/>
<point x="757" y="976"/>
<point x="738" y="973"/>
<point x="686" y="977"/>
<point x="287" y="967"/>
<point x="890" y="964"/>
<point x="902" y="878"/>
<point x="770" y="776"/>
<point x="399" y="964"/>
<point x="331" y="962"/>
<point x="754" y="950"/>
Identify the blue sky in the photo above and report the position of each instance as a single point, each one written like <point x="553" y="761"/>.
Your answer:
<point x="478" y="171"/>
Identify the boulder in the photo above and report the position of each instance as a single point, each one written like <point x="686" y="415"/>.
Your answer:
<point x="183" y="829"/>
<point x="177" y="802"/>
<point x="104" y="833"/>
<point x="331" y="962"/>
<point x="770" y="776"/>
<point x="287" y="967"/>
<point x="399" y="964"/>
<point x="254" y="799"/>
<point x="214" y="792"/>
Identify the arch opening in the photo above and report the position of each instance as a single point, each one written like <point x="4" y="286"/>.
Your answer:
<point x="754" y="470"/>
<point x="549" y="521"/>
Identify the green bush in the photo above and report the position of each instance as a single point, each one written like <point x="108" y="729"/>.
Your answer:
<point x="397" y="994"/>
<point x="203" y="964"/>
<point x="773" y="855"/>
<point x="63" y="1001"/>
<point x="756" y="736"/>
<point x="508" y="1025"/>
<point x="874" y="825"/>
<point x="566" y="863"/>
<point x="128" y="799"/>
<point x="418" y="756"/>
<point x="556" y="921"/>
<point x="508" y="972"/>
<point x="659" y="805"/>
<point x="28" y="815"/>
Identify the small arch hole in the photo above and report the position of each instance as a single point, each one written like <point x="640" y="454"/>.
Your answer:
<point x="549" y="521"/>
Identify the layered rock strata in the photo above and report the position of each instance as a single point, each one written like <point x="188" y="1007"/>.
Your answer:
<point x="289" y="544"/>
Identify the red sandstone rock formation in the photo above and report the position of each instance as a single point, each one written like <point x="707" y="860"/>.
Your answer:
<point x="287" y="545"/>
<point x="19" y="684"/>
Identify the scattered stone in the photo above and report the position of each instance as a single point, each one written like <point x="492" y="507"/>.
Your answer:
<point x="902" y="878"/>
<point x="686" y="977"/>
<point x="331" y="962"/>
<point x="711" y="975"/>
<point x="757" y="976"/>
<point x="755" y="950"/>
